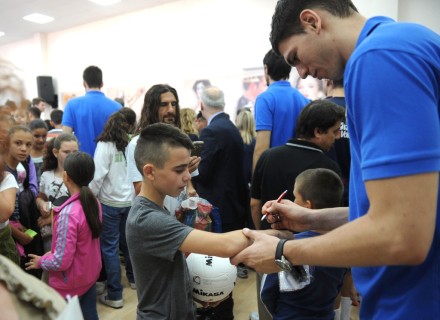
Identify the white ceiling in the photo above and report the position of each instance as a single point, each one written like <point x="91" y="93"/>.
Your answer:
<point x="67" y="14"/>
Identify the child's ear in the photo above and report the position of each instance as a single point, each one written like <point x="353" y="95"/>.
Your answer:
<point x="309" y="204"/>
<point x="148" y="171"/>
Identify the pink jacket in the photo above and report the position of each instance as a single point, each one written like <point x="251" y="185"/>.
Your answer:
<point x="74" y="262"/>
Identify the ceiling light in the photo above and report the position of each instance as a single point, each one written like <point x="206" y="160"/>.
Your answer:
<point x="105" y="2"/>
<point x="38" y="18"/>
<point x="2" y="34"/>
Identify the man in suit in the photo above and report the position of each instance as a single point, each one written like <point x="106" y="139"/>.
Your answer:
<point x="221" y="178"/>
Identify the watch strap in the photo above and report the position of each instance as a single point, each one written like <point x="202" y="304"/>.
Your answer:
<point x="279" y="250"/>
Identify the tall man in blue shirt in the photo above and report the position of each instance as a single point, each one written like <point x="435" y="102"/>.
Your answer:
<point x="391" y="73"/>
<point x="86" y="115"/>
<point x="277" y="108"/>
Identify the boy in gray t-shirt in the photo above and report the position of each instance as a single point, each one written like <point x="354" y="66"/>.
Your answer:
<point x="156" y="240"/>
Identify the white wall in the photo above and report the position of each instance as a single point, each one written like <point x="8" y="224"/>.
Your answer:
<point x="175" y="43"/>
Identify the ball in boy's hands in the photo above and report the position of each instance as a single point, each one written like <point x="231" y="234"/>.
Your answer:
<point x="212" y="278"/>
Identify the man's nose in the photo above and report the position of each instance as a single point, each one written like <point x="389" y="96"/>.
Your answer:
<point x="302" y="71"/>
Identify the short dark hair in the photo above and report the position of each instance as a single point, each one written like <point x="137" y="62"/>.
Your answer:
<point x="200" y="116"/>
<point x="93" y="77"/>
<point x="318" y="114"/>
<point x="154" y="141"/>
<point x="286" y="22"/>
<point x="322" y="187"/>
<point x="35" y="112"/>
<point x="149" y="113"/>
<point x="56" y="116"/>
<point x="36" y="101"/>
<point x="277" y="67"/>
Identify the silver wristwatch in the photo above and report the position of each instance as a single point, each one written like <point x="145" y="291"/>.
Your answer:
<point x="280" y="260"/>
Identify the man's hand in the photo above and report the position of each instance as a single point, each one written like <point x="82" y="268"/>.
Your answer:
<point x="261" y="254"/>
<point x="193" y="164"/>
<point x="287" y="215"/>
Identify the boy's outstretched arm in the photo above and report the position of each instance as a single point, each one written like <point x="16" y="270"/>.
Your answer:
<point x="216" y="244"/>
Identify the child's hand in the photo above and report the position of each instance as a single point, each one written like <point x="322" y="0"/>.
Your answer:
<point x="210" y="304"/>
<point x="33" y="263"/>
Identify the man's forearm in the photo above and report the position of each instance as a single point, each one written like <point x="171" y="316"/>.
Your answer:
<point x="328" y="219"/>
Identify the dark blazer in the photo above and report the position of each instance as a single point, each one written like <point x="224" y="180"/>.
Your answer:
<point x="221" y="178"/>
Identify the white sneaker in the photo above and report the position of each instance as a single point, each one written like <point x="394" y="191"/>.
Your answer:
<point x="117" y="304"/>
<point x="133" y="285"/>
<point x="100" y="287"/>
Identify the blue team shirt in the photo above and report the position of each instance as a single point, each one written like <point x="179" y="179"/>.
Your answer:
<point x="87" y="116"/>
<point x="392" y="85"/>
<point x="277" y="110"/>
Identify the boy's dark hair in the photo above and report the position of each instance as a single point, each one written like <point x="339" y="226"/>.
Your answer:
<point x="37" y="124"/>
<point x="277" y="67"/>
<point x="286" y="22"/>
<point x="154" y="141"/>
<point x="116" y="130"/>
<point x="50" y="162"/>
<point x="56" y="116"/>
<point x="322" y="187"/>
<point x="93" y="77"/>
<point x="318" y="114"/>
<point x="35" y="112"/>
<point x="80" y="167"/>
<point x="149" y="113"/>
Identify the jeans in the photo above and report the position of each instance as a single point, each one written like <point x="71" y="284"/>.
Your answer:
<point x="87" y="303"/>
<point x="113" y="231"/>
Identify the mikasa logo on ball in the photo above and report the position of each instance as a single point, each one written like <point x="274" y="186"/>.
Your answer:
<point x="207" y="294"/>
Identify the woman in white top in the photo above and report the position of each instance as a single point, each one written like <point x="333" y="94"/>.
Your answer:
<point x="53" y="192"/>
<point x="115" y="193"/>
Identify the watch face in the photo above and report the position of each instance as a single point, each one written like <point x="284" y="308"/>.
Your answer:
<point x="283" y="264"/>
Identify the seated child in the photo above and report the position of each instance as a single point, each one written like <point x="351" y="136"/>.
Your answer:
<point x="156" y="240"/>
<point x="316" y="189"/>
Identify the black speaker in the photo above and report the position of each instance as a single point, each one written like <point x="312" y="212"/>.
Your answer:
<point x="45" y="88"/>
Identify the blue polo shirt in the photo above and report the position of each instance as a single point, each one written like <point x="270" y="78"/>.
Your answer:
<point x="87" y="116"/>
<point x="392" y="85"/>
<point x="277" y="110"/>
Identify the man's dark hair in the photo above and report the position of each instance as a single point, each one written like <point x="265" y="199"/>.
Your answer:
<point x="149" y="113"/>
<point x="35" y="112"/>
<point x="286" y="22"/>
<point x="318" y="114"/>
<point x="322" y="187"/>
<point x="200" y="116"/>
<point x="93" y="77"/>
<point x="154" y="142"/>
<point x="36" y="101"/>
<point x="56" y="116"/>
<point x="277" y="67"/>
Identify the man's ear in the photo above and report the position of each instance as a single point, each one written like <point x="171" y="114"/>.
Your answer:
<point x="310" y="20"/>
<point x="148" y="171"/>
<point x="318" y="133"/>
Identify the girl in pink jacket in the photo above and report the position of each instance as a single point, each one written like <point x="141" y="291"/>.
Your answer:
<point x="74" y="262"/>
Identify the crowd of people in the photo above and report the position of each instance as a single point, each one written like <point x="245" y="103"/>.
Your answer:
<point x="92" y="187"/>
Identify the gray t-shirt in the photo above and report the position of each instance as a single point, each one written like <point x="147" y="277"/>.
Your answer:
<point x="163" y="285"/>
